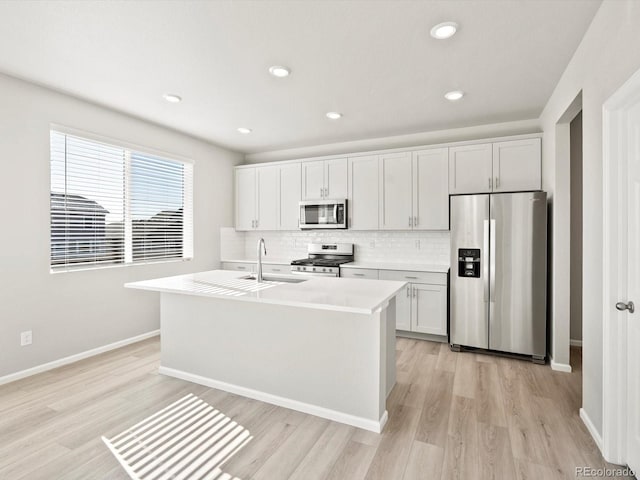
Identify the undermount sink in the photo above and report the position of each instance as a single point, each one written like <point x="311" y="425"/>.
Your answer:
<point x="273" y="278"/>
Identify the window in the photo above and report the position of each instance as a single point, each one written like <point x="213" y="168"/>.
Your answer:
<point x="115" y="205"/>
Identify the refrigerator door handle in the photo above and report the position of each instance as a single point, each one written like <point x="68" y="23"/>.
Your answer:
<point x="492" y="267"/>
<point x="485" y="259"/>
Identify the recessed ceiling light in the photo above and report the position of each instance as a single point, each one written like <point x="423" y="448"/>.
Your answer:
<point x="172" y="98"/>
<point x="244" y="130"/>
<point x="454" y="95"/>
<point x="334" y="115"/>
<point x="444" y="30"/>
<point x="279" y="71"/>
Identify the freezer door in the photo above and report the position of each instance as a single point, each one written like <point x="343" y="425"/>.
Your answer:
<point x="469" y="294"/>
<point x="518" y="259"/>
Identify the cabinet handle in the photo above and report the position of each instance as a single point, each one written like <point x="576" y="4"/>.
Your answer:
<point x="411" y="278"/>
<point x="414" y="292"/>
<point x="275" y="269"/>
<point x="326" y="192"/>
<point x="409" y="221"/>
<point x="358" y="274"/>
<point x="253" y="223"/>
<point x="256" y="223"/>
<point x="497" y="182"/>
<point x="489" y="183"/>
<point x="408" y="291"/>
<point x="321" y="189"/>
<point x="415" y="221"/>
<point x="241" y="268"/>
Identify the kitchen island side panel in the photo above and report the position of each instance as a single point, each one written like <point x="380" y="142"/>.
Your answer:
<point x="328" y="359"/>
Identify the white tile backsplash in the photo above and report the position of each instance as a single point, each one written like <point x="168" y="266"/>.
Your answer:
<point x="430" y="247"/>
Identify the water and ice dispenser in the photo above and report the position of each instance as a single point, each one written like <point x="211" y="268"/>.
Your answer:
<point x="469" y="262"/>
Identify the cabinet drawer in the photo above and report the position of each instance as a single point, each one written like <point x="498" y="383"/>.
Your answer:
<point x="359" y="273"/>
<point x="414" y="277"/>
<point x="276" y="268"/>
<point x="240" y="266"/>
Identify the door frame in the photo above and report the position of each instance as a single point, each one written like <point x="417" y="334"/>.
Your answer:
<point x="615" y="284"/>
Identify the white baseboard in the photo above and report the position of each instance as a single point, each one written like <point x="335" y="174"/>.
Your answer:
<point x="559" y="367"/>
<point x="575" y="343"/>
<point x="12" y="377"/>
<point x="592" y="430"/>
<point x="360" y="422"/>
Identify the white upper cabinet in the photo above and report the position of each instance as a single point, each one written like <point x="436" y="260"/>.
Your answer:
<point x="335" y="179"/>
<point x="510" y="166"/>
<point x="470" y="169"/>
<point x="324" y="179"/>
<point x="396" y="191"/>
<point x="268" y="195"/>
<point x="290" y="194"/>
<point x="414" y="190"/>
<point x="313" y="180"/>
<point x="246" y="198"/>
<point x="431" y="189"/>
<point x="517" y="165"/>
<point x="362" y="207"/>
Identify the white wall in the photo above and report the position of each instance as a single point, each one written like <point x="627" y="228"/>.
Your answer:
<point x="607" y="56"/>
<point x="73" y="312"/>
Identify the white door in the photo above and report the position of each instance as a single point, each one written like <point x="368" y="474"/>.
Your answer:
<point x="268" y="195"/>
<point x="245" y="198"/>
<point x="335" y="179"/>
<point x="633" y="265"/>
<point x="290" y="194"/>
<point x="517" y="165"/>
<point x="362" y="207"/>
<point x="313" y="180"/>
<point x="470" y="169"/>
<point x="430" y="309"/>
<point x="395" y="190"/>
<point x="431" y="189"/>
<point x="403" y="309"/>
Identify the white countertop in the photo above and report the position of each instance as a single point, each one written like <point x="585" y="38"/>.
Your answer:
<point x="413" y="267"/>
<point x="327" y="293"/>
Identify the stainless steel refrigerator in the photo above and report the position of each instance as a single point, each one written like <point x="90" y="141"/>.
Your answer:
<point x="498" y="272"/>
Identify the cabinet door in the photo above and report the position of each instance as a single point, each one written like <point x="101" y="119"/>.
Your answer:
<point x="517" y="165"/>
<point x="335" y="179"/>
<point x="403" y="309"/>
<point x="245" y="198"/>
<point x="268" y="195"/>
<point x="313" y="180"/>
<point x="429" y="313"/>
<point x="395" y="190"/>
<point x="470" y="169"/>
<point x="431" y="189"/>
<point x="290" y="194"/>
<point x="362" y="207"/>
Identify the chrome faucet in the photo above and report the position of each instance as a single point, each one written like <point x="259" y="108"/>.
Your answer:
<point x="260" y="244"/>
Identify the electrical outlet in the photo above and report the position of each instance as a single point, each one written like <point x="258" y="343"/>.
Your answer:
<point x="26" y="338"/>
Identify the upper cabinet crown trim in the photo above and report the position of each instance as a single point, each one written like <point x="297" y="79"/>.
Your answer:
<point x="396" y="150"/>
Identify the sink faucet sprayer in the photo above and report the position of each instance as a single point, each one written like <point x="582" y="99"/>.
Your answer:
<point x="260" y="243"/>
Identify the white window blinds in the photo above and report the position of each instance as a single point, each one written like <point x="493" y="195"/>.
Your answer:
<point x="113" y="205"/>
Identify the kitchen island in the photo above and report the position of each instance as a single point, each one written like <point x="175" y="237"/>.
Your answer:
<point x="323" y="346"/>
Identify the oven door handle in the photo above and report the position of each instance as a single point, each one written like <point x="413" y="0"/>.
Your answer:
<point x="314" y="274"/>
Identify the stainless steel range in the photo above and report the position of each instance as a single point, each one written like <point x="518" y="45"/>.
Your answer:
<point x="324" y="259"/>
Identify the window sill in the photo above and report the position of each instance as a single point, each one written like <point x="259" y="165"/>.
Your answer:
<point x="85" y="268"/>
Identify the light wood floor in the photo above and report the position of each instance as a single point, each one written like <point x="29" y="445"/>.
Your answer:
<point x="451" y="415"/>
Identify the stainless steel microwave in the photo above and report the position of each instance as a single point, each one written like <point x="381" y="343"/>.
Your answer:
<point x="323" y="214"/>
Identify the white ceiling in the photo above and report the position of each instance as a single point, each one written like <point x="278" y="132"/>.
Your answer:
<point x="374" y="61"/>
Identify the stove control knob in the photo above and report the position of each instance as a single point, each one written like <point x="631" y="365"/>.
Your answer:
<point x="314" y="269"/>
<point x="324" y="269"/>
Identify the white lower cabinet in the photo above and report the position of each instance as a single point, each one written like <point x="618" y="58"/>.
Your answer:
<point x="422" y="307"/>
<point x="239" y="266"/>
